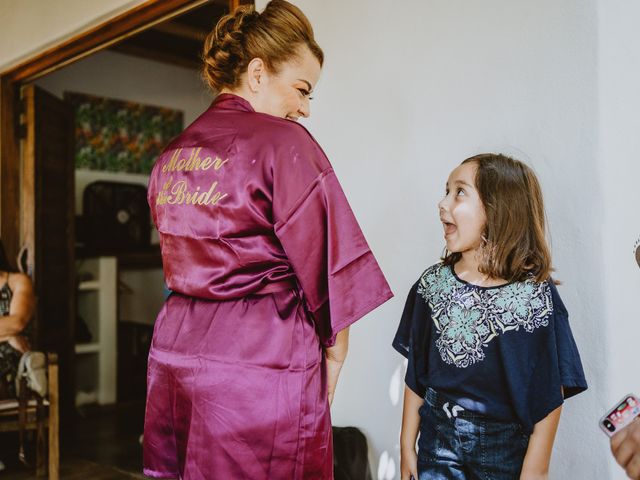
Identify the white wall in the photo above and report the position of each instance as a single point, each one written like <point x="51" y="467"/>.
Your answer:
<point x="30" y="26"/>
<point x="124" y="77"/>
<point x="619" y="104"/>
<point x="409" y="90"/>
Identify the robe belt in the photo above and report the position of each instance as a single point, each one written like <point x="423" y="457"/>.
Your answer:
<point x="279" y="286"/>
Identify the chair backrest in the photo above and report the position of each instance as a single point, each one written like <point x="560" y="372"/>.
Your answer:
<point x="33" y="368"/>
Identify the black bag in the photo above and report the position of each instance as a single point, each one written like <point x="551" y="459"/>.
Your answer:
<point x="350" y="454"/>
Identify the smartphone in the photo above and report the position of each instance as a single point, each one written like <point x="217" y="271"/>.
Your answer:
<point x="621" y="415"/>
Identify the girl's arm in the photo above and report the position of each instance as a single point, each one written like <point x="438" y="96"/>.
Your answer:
<point x="335" y="357"/>
<point x="538" y="456"/>
<point x="20" y="309"/>
<point x="409" y="434"/>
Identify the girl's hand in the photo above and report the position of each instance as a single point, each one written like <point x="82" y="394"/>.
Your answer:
<point x="409" y="434"/>
<point x="538" y="456"/>
<point x="408" y="464"/>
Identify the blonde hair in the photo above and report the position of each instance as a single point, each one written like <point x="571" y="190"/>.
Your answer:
<point x="275" y="36"/>
<point x="514" y="244"/>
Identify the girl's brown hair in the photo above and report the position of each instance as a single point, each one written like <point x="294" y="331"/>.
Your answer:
<point x="275" y="35"/>
<point x="514" y="240"/>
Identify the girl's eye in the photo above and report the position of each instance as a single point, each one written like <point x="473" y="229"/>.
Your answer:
<point x="304" y="93"/>
<point x="460" y="192"/>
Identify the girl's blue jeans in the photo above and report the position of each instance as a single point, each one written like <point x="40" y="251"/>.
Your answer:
<point x="455" y="444"/>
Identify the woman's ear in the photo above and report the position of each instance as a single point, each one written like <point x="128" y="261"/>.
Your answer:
<point x="256" y="74"/>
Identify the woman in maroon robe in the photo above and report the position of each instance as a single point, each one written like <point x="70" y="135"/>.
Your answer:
<point x="267" y="265"/>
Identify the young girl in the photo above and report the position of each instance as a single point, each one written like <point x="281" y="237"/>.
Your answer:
<point x="491" y="355"/>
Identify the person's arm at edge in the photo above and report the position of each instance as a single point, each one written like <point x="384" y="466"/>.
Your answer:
<point x="20" y="309"/>
<point x="625" y="446"/>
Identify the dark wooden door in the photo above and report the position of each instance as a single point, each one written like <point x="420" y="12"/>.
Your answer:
<point x="47" y="225"/>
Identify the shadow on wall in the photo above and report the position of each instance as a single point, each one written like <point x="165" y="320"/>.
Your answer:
<point x="386" y="462"/>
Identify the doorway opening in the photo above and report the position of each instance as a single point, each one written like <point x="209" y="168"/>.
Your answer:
<point x="79" y="125"/>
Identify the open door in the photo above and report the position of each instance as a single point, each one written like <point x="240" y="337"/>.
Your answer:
<point x="47" y="228"/>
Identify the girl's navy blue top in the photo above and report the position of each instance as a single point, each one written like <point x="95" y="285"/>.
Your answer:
<point x="506" y="352"/>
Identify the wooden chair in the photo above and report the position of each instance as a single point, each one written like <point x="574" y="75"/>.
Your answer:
<point x="41" y="414"/>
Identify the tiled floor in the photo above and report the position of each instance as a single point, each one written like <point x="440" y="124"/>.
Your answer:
<point x="105" y="447"/>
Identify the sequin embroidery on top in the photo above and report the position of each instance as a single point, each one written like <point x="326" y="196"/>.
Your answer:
<point x="468" y="317"/>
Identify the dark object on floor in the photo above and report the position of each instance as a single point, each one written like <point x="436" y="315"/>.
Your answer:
<point x="350" y="454"/>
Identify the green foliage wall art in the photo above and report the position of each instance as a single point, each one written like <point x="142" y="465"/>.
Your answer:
<point x="120" y="136"/>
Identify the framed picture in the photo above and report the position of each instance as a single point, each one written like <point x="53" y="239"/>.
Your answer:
<point x="120" y="136"/>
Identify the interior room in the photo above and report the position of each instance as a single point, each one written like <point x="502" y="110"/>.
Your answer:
<point x="408" y="90"/>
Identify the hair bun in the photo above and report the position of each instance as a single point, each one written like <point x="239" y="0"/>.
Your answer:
<point x="223" y="53"/>
<point x="275" y="36"/>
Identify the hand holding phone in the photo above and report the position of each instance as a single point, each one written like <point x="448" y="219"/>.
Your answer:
<point x="621" y="415"/>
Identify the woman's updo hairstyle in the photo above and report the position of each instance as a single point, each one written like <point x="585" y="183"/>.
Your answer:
<point x="275" y="36"/>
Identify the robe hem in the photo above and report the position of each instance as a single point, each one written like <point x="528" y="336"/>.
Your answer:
<point x="156" y="474"/>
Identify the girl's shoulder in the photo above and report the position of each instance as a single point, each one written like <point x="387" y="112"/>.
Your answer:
<point x="435" y="281"/>
<point x="435" y="271"/>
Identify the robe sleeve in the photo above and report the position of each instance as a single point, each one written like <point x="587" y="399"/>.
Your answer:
<point x="412" y="340"/>
<point x="340" y="278"/>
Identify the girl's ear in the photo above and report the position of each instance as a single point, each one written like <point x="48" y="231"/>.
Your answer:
<point x="256" y="75"/>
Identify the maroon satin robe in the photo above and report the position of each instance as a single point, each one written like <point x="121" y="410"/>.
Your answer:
<point x="267" y="264"/>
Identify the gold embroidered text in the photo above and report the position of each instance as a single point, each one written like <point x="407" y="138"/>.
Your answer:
<point x="194" y="162"/>
<point x="180" y="193"/>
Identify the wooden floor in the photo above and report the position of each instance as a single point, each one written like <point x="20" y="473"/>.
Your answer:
<point x="105" y="446"/>
<point x="74" y="469"/>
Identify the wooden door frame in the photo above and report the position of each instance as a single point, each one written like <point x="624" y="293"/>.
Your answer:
<point x="86" y="43"/>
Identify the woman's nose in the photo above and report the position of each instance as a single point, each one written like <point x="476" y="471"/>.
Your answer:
<point x="305" y="109"/>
